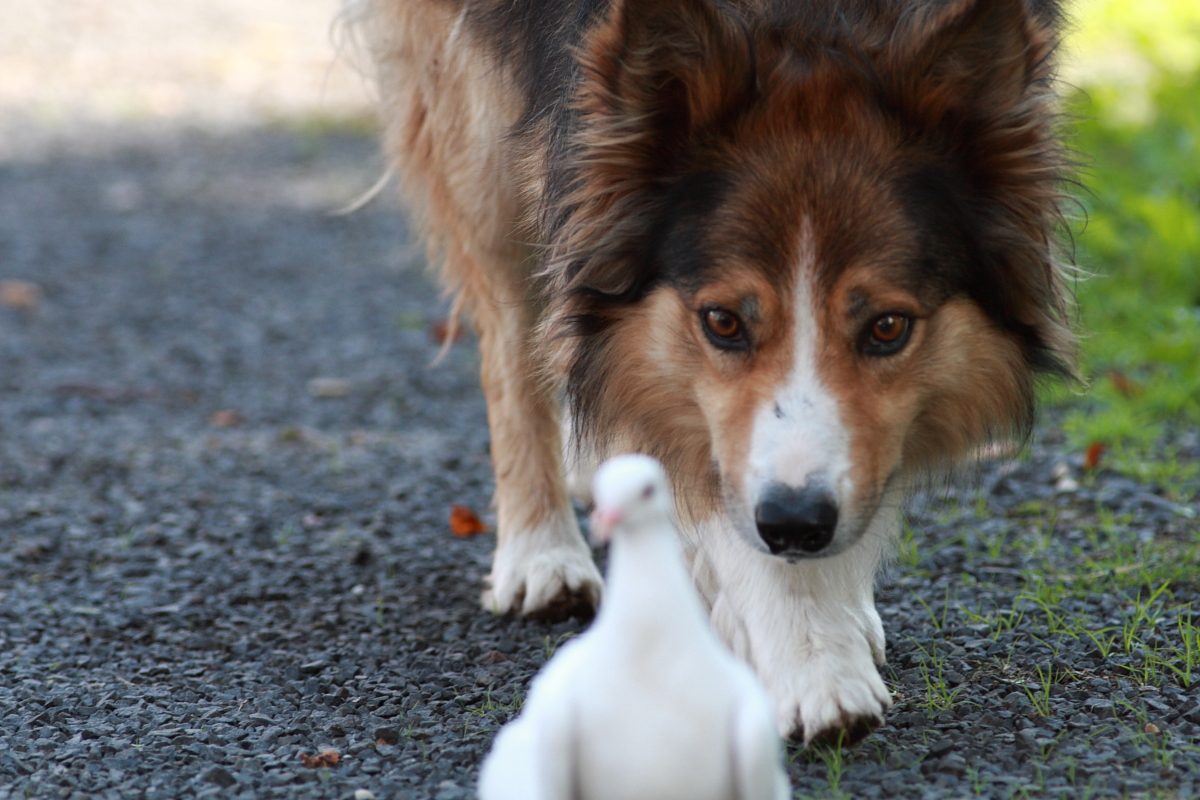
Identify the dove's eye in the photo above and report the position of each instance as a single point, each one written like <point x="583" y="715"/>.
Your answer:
<point x="648" y="492"/>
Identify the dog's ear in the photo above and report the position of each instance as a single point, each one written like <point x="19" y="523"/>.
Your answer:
<point x="977" y="75"/>
<point x="977" y="56"/>
<point x="657" y="78"/>
<point x="669" y="66"/>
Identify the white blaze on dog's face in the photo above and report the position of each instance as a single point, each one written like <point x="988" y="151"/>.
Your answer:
<point x="798" y="469"/>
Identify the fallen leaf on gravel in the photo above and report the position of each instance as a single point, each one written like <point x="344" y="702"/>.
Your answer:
<point x="1091" y="458"/>
<point x="1124" y="384"/>
<point x="465" y="522"/>
<point x="493" y="657"/>
<point x="225" y="418"/>
<point x="325" y="388"/>
<point x="1151" y="729"/>
<point x="328" y="758"/>
<point x="24" y="295"/>
<point x="443" y="332"/>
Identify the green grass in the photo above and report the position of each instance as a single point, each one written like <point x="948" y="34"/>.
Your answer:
<point x="938" y="695"/>
<point x="1137" y="130"/>
<point x="1039" y="692"/>
<point x="1160" y="634"/>
<point x="835" y="760"/>
<point x="488" y="716"/>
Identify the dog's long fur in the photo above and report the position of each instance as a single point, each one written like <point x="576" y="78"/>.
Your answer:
<point x="793" y="248"/>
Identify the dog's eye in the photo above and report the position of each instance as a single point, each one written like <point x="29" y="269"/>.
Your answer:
<point x="888" y="334"/>
<point x="723" y="327"/>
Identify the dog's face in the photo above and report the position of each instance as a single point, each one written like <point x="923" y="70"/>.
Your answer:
<point x="823" y="357"/>
<point x="829" y="296"/>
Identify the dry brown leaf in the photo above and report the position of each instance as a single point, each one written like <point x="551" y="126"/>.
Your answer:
<point x="1124" y="384"/>
<point x="1151" y="729"/>
<point x="442" y="330"/>
<point x="23" y="295"/>
<point x="328" y="758"/>
<point x="465" y="522"/>
<point x="1091" y="459"/>
<point x="225" y="418"/>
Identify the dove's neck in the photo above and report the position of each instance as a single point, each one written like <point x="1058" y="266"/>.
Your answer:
<point x="647" y="583"/>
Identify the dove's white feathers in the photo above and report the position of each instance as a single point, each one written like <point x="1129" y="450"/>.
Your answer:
<point x="647" y="704"/>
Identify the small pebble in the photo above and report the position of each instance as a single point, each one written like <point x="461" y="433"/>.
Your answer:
<point x="1066" y="485"/>
<point x="326" y="388"/>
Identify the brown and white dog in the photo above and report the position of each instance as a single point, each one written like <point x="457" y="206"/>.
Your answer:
<point x="802" y="251"/>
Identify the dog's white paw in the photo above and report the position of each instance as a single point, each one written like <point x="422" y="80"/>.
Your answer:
<point x="831" y="699"/>
<point x="543" y="575"/>
<point x="810" y="630"/>
<point x="818" y="667"/>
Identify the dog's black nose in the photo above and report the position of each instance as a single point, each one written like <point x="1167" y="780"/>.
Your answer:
<point x="797" y="521"/>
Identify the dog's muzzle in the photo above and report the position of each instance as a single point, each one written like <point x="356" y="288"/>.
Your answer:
<point x="796" y="522"/>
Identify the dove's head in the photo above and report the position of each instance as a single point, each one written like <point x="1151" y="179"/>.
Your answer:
<point x="630" y="491"/>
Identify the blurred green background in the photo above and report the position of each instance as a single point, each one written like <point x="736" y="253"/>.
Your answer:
<point x="1133" y="69"/>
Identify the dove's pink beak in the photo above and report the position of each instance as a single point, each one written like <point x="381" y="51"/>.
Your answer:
<point x="603" y="522"/>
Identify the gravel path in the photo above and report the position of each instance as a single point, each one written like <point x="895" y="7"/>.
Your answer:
<point x="225" y="472"/>
<point x="226" y="468"/>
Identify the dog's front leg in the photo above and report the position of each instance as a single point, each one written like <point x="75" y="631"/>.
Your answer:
<point x="542" y="566"/>
<point x="809" y="629"/>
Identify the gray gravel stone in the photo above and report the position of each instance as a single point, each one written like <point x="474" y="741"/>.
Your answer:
<point x="220" y="776"/>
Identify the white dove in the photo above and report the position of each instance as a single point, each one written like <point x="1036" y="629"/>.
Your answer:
<point x="647" y="704"/>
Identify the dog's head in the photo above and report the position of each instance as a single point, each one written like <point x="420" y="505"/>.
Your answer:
<point x="806" y="256"/>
